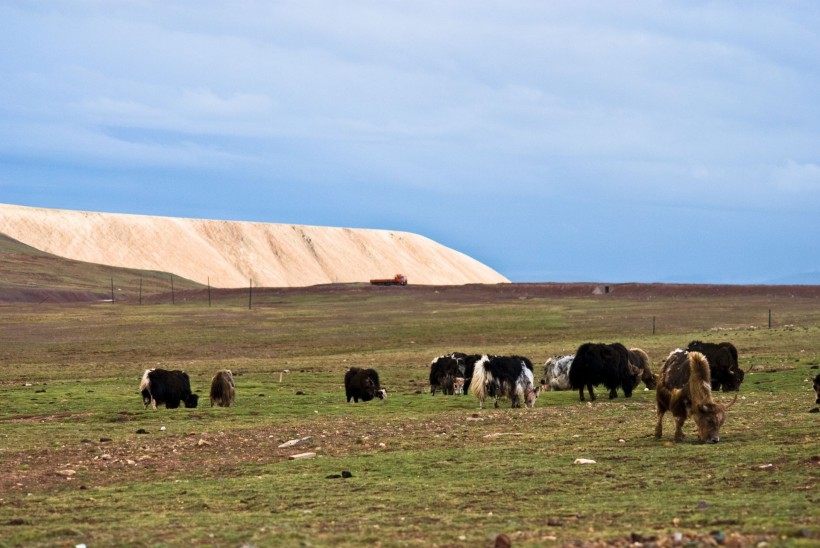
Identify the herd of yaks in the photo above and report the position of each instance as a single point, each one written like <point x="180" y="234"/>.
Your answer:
<point x="683" y="387"/>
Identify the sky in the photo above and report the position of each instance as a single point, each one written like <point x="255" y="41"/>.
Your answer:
<point x="560" y="141"/>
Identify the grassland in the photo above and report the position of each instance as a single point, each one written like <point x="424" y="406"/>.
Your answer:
<point x="426" y="470"/>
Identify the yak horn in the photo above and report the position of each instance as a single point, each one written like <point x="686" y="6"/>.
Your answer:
<point x="732" y="402"/>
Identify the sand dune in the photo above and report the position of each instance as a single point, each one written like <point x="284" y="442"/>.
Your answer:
<point x="229" y="254"/>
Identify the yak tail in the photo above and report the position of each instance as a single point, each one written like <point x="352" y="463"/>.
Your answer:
<point x="478" y="386"/>
<point x="700" y="379"/>
<point x="144" y="381"/>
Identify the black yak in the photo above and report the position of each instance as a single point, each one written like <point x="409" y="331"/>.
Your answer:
<point x="159" y="386"/>
<point x="444" y="372"/>
<point x="723" y="366"/>
<point x="607" y="364"/>
<point x="363" y="384"/>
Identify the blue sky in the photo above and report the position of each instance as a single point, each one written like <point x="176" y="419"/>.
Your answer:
<point x="645" y="141"/>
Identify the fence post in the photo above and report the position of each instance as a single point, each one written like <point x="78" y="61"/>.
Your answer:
<point x="653" y="325"/>
<point x="209" y="291"/>
<point x="140" y="290"/>
<point x="112" y="290"/>
<point x="770" y="318"/>
<point x="172" y="289"/>
<point x="250" y="293"/>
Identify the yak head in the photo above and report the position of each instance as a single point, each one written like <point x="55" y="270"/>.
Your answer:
<point x="530" y="395"/>
<point x="381" y="393"/>
<point x="735" y="380"/>
<point x="650" y="380"/>
<point x="709" y="417"/>
<point x="192" y="401"/>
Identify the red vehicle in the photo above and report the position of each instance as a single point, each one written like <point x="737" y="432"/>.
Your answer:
<point x="399" y="279"/>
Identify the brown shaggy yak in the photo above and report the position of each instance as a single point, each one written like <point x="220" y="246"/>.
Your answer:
<point x="817" y="388"/>
<point x="685" y="389"/>
<point x="223" y="389"/>
<point x="640" y="359"/>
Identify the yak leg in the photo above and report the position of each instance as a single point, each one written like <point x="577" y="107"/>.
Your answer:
<point x="679" y="427"/>
<point x="613" y="393"/>
<point x="591" y="393"/>
<point x="659" y="426"/>
<point x="581" y="392"/>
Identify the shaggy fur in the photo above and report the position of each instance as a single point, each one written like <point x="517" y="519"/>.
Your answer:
<point x="223" y="389"/>
<point x="556" y="372"/>
<point x="685" y="390"/>
<point x="817" y="388"/>
<point x="159" y="386"/>
<point x="723" y="365"/>
<point x="363" y="384"/>
<point x="504" y="376"/>
<point x="640" y="359"/>
<point x="444" y="370"/>
<point x="606" y="364"/>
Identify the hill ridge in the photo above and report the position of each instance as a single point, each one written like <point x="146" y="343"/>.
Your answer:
<point x="231" y="253"/>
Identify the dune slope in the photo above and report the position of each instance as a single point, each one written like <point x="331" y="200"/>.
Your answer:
<point x="230" y="254"/>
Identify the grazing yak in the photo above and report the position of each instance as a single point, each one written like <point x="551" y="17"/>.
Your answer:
<point x="685" y="389"/>
<point x="817" y="388"/>
<point x="722" y="358"/>
<point x="640" y="359"/>
<point x="444" y="372"/>
<point x="556" y="372"/>
<point x="363" y="384"/>
<point x="223" y="389"/>
<point x="607" y="364"/>
<point x="504" y="376"/>
<point x="159" y="386"/>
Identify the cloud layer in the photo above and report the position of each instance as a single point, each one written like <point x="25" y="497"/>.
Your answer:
<point x="526" y="134"/>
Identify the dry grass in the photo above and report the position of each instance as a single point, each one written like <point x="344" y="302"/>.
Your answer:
<point x="426" y="470"/>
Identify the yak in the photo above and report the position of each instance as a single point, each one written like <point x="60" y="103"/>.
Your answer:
<point x="223" y="389"/>
<point x="504" y="376"/>
<point x="556" y="372"/>
<point x="640" y="359"/>
<point x="363" y="384"/>
<point x="723" y="367"/>
<point x="685" y="389"/>
<point x="159" y="386"/>
<point x="607" y="364"/>
<point x="444" y="370"/>
<point x="817" y="388"/>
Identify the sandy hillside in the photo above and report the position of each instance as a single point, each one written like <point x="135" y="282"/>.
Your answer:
<point x="232" y="253"/>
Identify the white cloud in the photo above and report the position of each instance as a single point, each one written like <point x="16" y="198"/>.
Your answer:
<point x="797" y="178"/>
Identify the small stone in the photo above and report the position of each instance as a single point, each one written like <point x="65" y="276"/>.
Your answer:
<point x="66" y="473"/>
<point x="142" y="431"/>
<point x="346" y="474"/>
<point x="105" y="440"/>
<point x="298" y="441"/>
<point x="308" y="455"/>
<point x="202" y="442"/>
<point x="584" y="461"/>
